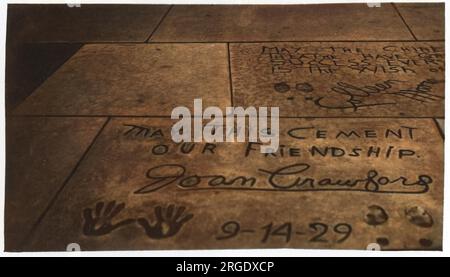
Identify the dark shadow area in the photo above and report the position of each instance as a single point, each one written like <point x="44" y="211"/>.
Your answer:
<point x="29" y="65"/>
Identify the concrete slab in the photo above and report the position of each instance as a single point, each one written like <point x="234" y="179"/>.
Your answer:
<point x="40" y="155"/>
<point x="376" y="79"/>
<point x="137" y="189"/>
<point x="219" y="23"/>
<point x="87" y="23"/>
<point x="426" y="20"/>
<point x="135" y="79"/>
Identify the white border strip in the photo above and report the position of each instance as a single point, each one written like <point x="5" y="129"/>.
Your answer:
<point x="210" y="253"/>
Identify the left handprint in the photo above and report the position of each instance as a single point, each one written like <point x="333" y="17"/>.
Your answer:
<point x="98" y="222"/>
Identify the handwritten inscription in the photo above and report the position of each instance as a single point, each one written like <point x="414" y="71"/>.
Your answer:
<point x="317" y="232"/>
<point x="136" y="131"/>
<point x="333" y="183"/>
<point x="281" y="179"/>
<point x="297" y="176"/>
<point x="331" y="59"/>
<point x="327" y="79"/>
<point x="356" y="97"/>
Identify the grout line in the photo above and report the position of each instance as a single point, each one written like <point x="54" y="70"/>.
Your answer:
<point x="54" y="198"/>
<point x="232" y="41"/>
<point x="439" y="128"/>
<point x="230" y="75"/>
<point x="168" y="116"/>
<point x="404" y="21"/>
<point x="159" y="23"/>
<point x="86" y="115"/>
<point x="300" y="41"/>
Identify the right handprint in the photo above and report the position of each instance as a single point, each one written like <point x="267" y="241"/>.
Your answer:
<point x="168" y="222"/>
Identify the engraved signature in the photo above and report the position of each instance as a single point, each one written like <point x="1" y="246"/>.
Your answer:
<point x="286" y="178"/>
<point x="355" y="97"/>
